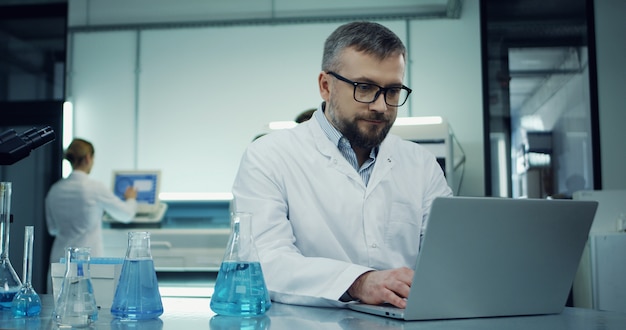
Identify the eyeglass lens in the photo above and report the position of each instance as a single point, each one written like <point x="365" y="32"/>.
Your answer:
<point x="368" y="93"/>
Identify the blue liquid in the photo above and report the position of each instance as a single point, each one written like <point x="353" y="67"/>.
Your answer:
<point x="26" y="303"/>
<point x="6" y="298"/>
<point x="27" y="311"/>
<point x="240" y="290"/>
<point x="137" y="296"/>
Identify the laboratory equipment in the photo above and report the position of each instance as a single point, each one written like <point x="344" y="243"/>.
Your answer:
<point x="600" y="280"/>
<point x="104" y="273"/>
<point x="14" y="147"/>
<point x="435" y="134"/>
<point x="9" y="282"/>
<point x="137" y="295"/>
<point x="146" y="182"/>
<point x="240" y="288"/>
<point x="26" y="302"/>
<point x="76" y="304"/>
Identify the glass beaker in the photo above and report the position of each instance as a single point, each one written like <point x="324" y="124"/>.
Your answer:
<point x="137" y="295"/>
<point x="26" y="302"/>
<point x="240" y="288"/>
<point x="9" y="281"/>
<point x="76" y="304"/>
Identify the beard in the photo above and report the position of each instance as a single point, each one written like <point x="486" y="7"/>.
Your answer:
<point x="367" y="137"/>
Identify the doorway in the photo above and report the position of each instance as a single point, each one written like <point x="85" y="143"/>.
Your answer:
<point x="541" y="117"/>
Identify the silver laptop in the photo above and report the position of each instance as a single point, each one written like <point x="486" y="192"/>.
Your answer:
<point x="485" y="257"/>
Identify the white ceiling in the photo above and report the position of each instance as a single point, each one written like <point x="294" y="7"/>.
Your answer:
<point x="531" y="71"/>
<point x="84" y="13"/>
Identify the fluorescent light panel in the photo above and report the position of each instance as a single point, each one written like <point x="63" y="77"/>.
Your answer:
<point x="68" y="133"/>
<point x="427" y="120"/>
<point x="274" y="125"/>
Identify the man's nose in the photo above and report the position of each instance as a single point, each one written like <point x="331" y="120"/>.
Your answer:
<point x="379" y="103"/>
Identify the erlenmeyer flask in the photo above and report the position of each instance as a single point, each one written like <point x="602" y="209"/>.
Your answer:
<point x="76" y="304"/>
<point x="137" y="295"/>
<point x="9" y="281"/>
<point x="26" y="302"/>
<point x="240" y="288"/>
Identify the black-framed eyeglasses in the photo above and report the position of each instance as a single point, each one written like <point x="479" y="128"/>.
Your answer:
<point x="368" y="93"/>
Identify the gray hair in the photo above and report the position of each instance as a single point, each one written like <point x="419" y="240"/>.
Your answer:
<point x="368" y="37"/>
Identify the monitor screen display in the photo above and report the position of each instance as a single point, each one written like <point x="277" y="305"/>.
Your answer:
<point x="146" y="183"/>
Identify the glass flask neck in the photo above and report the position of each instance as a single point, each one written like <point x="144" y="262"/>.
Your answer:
<point x="27" y="273"/>
<point x="241" y="245"/>
<point x="241" y="225"/>
<point x="77" y="262"/>
<point x="5" y="218"/>
<point x="138" y="245"/>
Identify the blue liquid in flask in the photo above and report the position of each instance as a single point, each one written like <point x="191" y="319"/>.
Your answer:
<point x="240" y="290"/>
<point x="6" y="299"/>
<point x="26" y="303"/>
<point x="137" y="296"/>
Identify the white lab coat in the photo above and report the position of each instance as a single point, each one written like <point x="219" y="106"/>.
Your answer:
<point x="316" y="225"/>
<point x="74" y="209"/>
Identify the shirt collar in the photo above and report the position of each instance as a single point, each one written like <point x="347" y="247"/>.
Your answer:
<point x="332" y="133"/>
<point x="78" y="174"/>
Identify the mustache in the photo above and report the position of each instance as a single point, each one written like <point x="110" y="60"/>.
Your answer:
<point x="375" y="116"/>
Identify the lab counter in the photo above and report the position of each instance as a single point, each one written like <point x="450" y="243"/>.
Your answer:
<point x="194" y="313"/>
<point x="184" y="249"/>
<point x="191" y="237"/>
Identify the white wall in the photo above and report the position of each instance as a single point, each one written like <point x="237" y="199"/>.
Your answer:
<point x="177" y="94"/>
<point x="611" y="53"/>
<point x="446" y="81"/>
<point x="101" y="78"/>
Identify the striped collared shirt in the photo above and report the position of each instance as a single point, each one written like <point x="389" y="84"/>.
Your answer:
<point x="365" y="171"/>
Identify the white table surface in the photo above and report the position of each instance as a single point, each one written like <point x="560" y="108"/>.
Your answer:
<point x="194" y="313"/>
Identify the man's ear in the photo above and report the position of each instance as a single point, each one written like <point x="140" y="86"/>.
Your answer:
<point x="324" y="85"/>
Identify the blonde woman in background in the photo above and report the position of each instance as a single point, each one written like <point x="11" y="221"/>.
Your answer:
<point x="75" y="205"/>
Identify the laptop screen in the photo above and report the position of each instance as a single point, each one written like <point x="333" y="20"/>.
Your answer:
<point x="147" y="185"/>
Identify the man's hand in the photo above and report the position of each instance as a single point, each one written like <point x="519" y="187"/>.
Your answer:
<point x="376" y="287"/>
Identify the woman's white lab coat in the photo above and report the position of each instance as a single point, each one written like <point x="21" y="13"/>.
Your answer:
<point x="317" y="227"/>
<point x="74" y="209"/>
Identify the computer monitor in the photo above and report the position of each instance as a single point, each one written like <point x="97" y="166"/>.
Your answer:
<point x="147" y="183"/>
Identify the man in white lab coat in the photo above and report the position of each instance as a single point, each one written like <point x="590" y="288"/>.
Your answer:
<point x="339" y="205"/>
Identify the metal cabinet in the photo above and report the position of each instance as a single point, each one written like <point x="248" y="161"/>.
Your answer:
<point x="601" y="279"/>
